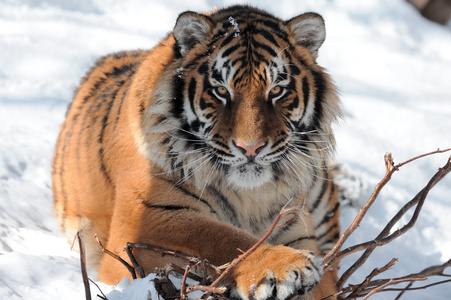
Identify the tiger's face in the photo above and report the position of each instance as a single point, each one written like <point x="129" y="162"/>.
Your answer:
<point x="250" y="104"/>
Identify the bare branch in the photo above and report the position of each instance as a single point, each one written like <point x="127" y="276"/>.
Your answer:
<point x="117" y="257"/>
<point x="181" y="255"/>
<point x="236" y="261"/>
<point x="332" y="255"/>
<point x="389" y="282"/>
<point x="374" y="273"/>
<point x="97" y="286"/>
<point x="135" y="264"/>
<point x="212" y="290"/>
<point x="420" y="156"/>
<point x="409" y="288"/>
<point x="183" y="287"/>
<point x="84" y="273"/>
<point x="385" y="237"/>
<point x="390" y="169"/>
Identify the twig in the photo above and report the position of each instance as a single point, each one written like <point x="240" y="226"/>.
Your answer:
<point x="409" y="288"/>
<point x="390" y="169"/>
<point x="135" y="264"/>
<point x="374" y="273"/>
<point x="103" y="295"/>
<point x="385" y="237"/>
<point x="179" y="270"/>
<point x="332" y="255"/>
<point x="212" y="290"/>
<point x="376" y="290"/>
<point x="243" y="256"/>
<point x="420" y="156"/>
<point x="84" y="273"/>
<point x="164" y="251"/>
<point x="183" y="287"/>
<point x="117" y="257"/>
<point x="436" y="270"/>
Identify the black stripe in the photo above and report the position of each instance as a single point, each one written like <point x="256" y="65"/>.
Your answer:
<point x="187" y="192"/>
<point x="320" y="91"/>
<point x="229" y="51"/>
<point x="227" y="41"/>
<point x="103" y="166"/>
<point x="192" y="93"/>
<point x="311" y="264"/>
<point x="119" y="71"/>
<point x="332" y="240"/>
<point x="226" y="205"/>
<point x="329" y="230"/>
<point x="222" y="153"/>
<point x="186" y="133"/>
<point x="306" y="94"/>
<point x="120" y="54"/>
<point x="194" y="126"/>
<point x="177" y="102"/>
<point x="142" y="108"/>
<point x="217" y="136"/>
<point x="320" y="196"/>
<point x="238" y="77"/>
<point x="294" y="104"/>
<point x="269" y="37"/>
<point x="215" y="74"/>
<point x="276" y="144"/>
<point x="257" y="57"/>
<point x="329" y="215"/>
<point x="167" y="207"/>
<point x="264" y="47"/>
<point x="303" y="238"/>
<point x="98" y="98"/>
<point x="203" y="69"/>
<point x="274" y="25"/>
<point x="101" y="135"/>
<point x="119" y="110"/>
<point x="294" y="69"/>
<point x="195" y="61"/>
<point x="204" y="105"/>
<point x="99" y="83"/>
<point x="106" y="117"/>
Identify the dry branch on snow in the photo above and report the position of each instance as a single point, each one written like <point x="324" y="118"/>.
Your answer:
<point x="344" y="290"/>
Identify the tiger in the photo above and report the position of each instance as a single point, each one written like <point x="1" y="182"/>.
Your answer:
<point x="197" y="144"/>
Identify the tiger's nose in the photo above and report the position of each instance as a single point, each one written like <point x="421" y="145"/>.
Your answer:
<point x="250" y="150"/>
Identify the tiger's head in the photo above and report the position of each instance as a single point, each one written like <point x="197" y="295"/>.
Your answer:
<point x="244" y="100"/>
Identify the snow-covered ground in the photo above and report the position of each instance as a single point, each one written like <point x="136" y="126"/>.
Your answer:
<point x="393" y="69"/>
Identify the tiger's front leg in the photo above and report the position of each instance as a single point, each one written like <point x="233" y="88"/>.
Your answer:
<point x="270" y="271"/>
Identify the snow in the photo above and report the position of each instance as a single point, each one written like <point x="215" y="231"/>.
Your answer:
<point x="393" y="69"/>
<point x="235" y="26"/>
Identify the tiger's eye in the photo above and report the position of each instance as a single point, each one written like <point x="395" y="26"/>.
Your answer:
<point x="275" y="90"/>
<point x="222" y="91"/>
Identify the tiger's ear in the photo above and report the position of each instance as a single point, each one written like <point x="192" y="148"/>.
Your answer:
<point x="309" y="31"/>
<point x="191" y="29"/>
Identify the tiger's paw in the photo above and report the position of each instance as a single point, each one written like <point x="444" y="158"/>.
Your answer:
<point x="276" y="272"/>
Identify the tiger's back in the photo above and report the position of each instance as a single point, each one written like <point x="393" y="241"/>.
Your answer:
<point x="164" y="147"/>
<point x="79" y="170"/>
